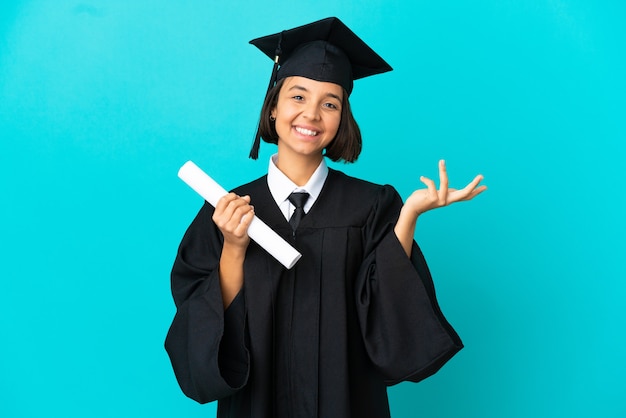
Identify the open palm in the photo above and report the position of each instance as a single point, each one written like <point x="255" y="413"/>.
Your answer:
<point x="423" y="200"/>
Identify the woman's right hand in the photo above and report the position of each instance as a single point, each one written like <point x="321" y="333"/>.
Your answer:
<point x="232" y="216"/>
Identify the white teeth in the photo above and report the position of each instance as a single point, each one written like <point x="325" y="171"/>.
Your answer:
<point x="306" y="131"/>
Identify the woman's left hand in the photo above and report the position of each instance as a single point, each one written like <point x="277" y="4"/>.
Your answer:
<point x="424" y="200"/>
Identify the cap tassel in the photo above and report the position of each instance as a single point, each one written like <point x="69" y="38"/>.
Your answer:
<point x="254" y="152"/>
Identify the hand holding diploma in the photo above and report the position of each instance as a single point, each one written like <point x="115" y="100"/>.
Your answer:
<point x="258" y="231"/>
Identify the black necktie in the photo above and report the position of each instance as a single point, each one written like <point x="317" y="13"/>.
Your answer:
<point x="298" y="199"/>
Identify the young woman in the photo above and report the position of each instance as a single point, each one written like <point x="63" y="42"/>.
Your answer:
<point x="358" y="311"/>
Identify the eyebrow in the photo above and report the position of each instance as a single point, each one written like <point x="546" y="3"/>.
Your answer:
<point x="332" y="95"/>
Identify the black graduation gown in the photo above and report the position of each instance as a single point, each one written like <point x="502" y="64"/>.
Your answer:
<point x="323" y="339"/>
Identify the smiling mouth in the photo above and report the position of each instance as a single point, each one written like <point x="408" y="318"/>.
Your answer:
<point x="306" y="132"/>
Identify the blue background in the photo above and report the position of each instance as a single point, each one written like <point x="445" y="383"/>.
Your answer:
<point x="102" y="101"/>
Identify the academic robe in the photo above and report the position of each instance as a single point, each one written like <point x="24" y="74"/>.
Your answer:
<point x="323" y="339"/>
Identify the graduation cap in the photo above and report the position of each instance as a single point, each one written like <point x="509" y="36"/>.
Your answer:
<point x="325" y="50"/>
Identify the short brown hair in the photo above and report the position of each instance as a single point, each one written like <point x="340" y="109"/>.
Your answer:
<point x="345" y="146"/>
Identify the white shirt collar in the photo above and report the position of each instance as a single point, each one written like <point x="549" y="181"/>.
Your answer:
<point x="281" y="186"/>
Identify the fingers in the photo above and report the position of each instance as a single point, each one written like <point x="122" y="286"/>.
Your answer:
<point x="423" y="200"/>
<point x="233" y="214"/>
<point x="247" y="213"/>
<point x="433" y="194"/>
<point x="245" y="222"/>
<point x="472" y="188"/>
<point x="429" y="183"/>
<point x="446" y="195"/>
<point x="477" y="191"/>
<point x="468" y="192"/>
<point x="443" y="182"/>
<point x="476" y="180"/>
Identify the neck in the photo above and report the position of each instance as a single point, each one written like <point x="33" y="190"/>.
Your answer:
<point x="298" y="169"/>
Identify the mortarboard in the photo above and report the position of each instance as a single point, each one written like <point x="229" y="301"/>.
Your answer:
<point x="325" y="50"/>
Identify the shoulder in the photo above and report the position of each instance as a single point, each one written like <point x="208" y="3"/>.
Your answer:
<point x="361" y="195"/>
<point x="253" y="187"/>
<point x="365" y="190"/>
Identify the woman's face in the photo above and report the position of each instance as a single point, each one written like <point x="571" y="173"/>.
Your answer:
<point x="308" y="114"/>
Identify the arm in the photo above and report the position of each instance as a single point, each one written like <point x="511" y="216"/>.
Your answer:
<point x="424" y="200"/>
<point x="405" y="334"/>
<point x="232" y="216"/>
<point x="206" y="341"/>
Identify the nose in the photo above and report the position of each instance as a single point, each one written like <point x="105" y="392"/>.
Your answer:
<point x="311" y="111"/>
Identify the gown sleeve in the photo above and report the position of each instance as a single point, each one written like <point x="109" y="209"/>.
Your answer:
<point x="404" y="331"/>
<point x="206" y="344"/>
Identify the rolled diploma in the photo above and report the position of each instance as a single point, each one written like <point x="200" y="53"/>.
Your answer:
<point x="262" y="234"/>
